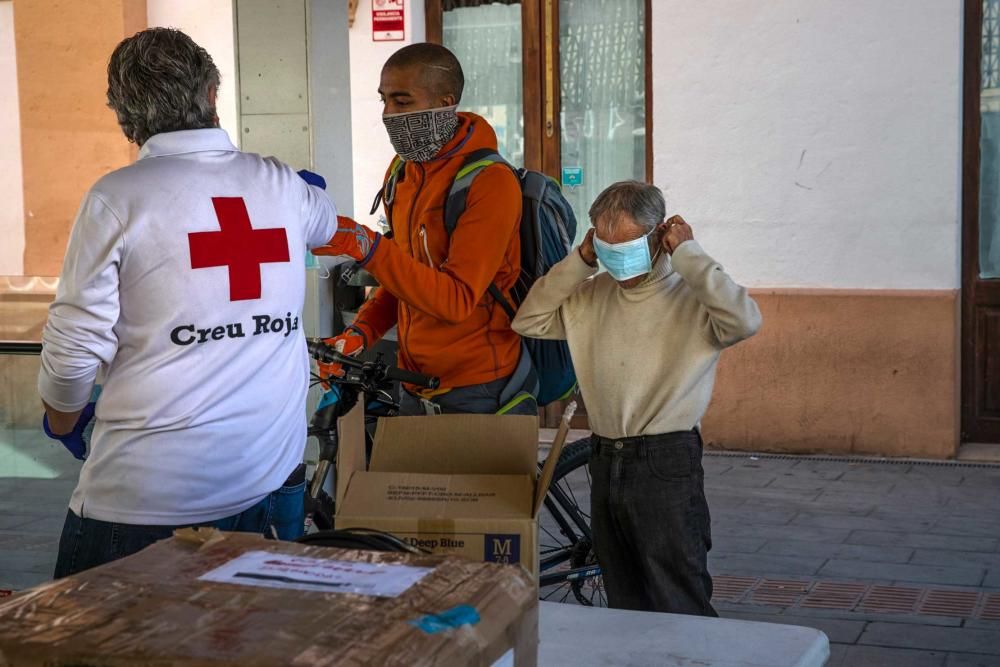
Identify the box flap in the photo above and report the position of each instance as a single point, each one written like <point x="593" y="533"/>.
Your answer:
<point x="457" y="444"/>
<point x="549" y="468"/>
<point x="350" y="447"/>
<point x="422" y="496"/>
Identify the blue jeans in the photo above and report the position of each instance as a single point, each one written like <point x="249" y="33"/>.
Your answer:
<point x="87" y="543"/>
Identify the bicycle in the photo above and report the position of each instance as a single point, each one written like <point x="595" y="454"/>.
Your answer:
<point x="568" y="565"/>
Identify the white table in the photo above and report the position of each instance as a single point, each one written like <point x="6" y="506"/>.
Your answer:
<point x="583" y="636"/>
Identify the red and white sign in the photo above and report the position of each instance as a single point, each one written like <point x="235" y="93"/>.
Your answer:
<point x="387" y="21"/>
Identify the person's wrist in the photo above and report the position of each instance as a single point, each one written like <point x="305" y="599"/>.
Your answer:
<point x="358" y="332"/>
<point x="591" y="262"/>
<point x="375" y="239"/>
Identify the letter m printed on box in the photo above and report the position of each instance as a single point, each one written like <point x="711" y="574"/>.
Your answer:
<point x="502" y="548"/>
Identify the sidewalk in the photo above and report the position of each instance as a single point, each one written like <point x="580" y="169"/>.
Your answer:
<point x="898" y="562"/>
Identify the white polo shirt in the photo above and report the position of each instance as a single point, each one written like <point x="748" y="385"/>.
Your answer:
<point x="184" y="278"/>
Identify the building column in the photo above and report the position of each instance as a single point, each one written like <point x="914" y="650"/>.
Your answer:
<point x="69" y="137"/>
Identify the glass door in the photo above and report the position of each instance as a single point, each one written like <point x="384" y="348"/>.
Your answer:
<point x="563" y="82"/>
<point x="981" y="225"/>
<point x="487" y="40"/>
<point x="602" y="72"/>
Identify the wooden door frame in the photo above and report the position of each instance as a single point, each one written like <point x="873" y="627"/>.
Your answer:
<point x="974" y="291"/>
<point x="545" y="154"/>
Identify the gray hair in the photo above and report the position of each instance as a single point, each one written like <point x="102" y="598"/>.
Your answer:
<point x="641" y="202"/>
<point x="159" y="81"/>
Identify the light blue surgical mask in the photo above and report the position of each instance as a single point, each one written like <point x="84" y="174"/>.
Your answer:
<point x="625" y="260"/>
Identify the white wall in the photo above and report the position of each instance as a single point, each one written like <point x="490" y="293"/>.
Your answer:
<point x="372" y="150"/>
<point x="210" y="24"/>
<point x="814" y="144"/>
<point x="11" y="184"/>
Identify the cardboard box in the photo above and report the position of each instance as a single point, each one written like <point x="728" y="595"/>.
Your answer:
<point x="171" y="606"/>
<point x="454" y="484"/>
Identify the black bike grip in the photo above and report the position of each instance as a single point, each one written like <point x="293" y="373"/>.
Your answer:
<point x="323" y="353"/>
<point x="409" y="377"/>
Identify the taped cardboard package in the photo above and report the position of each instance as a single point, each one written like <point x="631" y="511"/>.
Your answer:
<point x="208" y="598"/>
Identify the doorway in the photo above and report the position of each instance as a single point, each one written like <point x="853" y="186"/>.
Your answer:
<point x="565" y="84"/>
<point x="981" y="225"/>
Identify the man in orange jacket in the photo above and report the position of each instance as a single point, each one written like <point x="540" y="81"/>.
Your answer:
<point x="434" y="287"/>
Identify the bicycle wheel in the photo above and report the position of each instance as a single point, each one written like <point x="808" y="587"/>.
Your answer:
<point x="568" y="564"/>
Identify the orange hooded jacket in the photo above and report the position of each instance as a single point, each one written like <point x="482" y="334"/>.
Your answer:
<point x="435" y="288"/>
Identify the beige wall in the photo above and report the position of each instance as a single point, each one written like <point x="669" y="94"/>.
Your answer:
<point x="69" y="138"/>
<point x="843" y="371"/>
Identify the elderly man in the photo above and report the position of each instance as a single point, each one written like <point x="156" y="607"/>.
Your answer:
<point x="645" y="338"/>
<point x="183" y="279"/>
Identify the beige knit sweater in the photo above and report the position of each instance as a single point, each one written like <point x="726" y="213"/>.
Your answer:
<point x="645" y="357"/>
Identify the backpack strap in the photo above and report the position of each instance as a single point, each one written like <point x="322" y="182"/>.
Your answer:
<point x="475" y="162"/>
<point x="455" y="204"/>
<point x="387" y="193"/>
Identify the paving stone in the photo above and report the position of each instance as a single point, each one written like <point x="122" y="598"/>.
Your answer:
<point x="51" y="525"/>
<point x="773" y="517"/>
<point x="972" y="660"/>
<point x="742" y="545"/>
<point x="17" y="560"/>
<point x="875" y="656"/>
<point x="11" y="521"/>
<point x="853" y="569"/>
<point x="804" y="533"/>
<point x="922" y="540"/>
<point x="826" y="520"/>
<point x="914" y="619"/>
<point x="951" y="525"/>
<point x="931" y="638"/>
<point x="848" y="486"/>
<point x="764" y="564"/>
<point x="860" y="552"/>
<point x="811" y="484"/>
<point x="787" y="495"/>
<point x="19" y="581"/>
<point x="955" y="558"/>
<point x="840" y="631"/>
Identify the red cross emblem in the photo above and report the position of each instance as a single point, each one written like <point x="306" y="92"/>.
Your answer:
<point x="239" y="246"/>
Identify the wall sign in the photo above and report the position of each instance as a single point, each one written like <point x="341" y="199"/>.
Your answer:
<point x="387" y="20"/>
<point x="572" y="176"/>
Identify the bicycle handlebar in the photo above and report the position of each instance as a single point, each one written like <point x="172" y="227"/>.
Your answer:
<point x="326" y="354"/>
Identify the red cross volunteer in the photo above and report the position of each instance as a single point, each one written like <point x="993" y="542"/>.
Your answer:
<point x="184" y="279"/>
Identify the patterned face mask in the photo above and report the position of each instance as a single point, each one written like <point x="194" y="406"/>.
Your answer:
<point x="418" y="136"/>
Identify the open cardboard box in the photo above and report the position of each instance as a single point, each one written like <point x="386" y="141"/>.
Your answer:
<point x="455" y="484"/>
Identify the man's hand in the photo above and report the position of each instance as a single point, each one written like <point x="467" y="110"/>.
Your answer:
<point x="351" y="343"/>
<point x="587" y="251"/>
<point x="352" y="239"/>
<point x="674" y="232"/>
<point x="77" y="441"/>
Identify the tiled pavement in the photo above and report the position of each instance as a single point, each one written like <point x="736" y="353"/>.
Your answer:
<point x="898" y="562"/>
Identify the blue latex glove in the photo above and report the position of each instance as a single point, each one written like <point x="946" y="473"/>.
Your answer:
<point x="76" y="441"/>
<point x="313" y="179"/>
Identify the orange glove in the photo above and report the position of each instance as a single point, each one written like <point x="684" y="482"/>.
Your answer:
<point x="350" y="343"/>
<point x="352" y="239"/>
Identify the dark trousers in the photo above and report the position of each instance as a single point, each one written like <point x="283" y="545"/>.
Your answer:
<point x="481" y="399"/>
<point x="87" y="543"/>
<point x="652" y="530"/>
